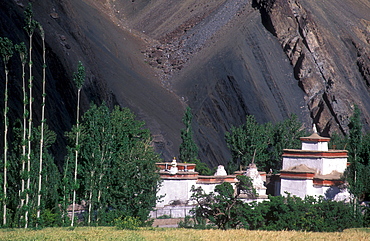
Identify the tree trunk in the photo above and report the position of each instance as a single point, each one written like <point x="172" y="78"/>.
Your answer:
<point x="76" y="155"/>
<point x="24" y="135"/>
<point x="29" y="134"/>
<point x="5" y="145"/>
<point x="90" y="196"/>
<point x="42" y="125"/>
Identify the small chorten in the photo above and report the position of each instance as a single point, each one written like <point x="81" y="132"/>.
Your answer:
<point x="257" y="181"/>
<point x="315" y="142"/>
<point x="221" y="171"/>
<point x="174" y="169"/>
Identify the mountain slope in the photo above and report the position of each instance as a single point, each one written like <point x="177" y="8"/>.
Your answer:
<point x="225" y="59"/>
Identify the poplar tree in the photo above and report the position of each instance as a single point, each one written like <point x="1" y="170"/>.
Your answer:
<point x="188" y="148"/>
<point x="117" y="163"/>
<point x="358" y="172"/>
<point x="97" y="149"/>
<point x="79" y="79"/>
<point x="47" y="206"/>
<point x="67" y="182"/>
<point x="6" y="50"/>
<point x="31" y="24"/>
<point x="22" y="50"/>
<point x="43" y="120"/>
<point x="135" y="180"/>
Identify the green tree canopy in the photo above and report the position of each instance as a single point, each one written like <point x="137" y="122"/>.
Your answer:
<point x="358" y="173"/>
<point x="188" y="148"/>
<point x="119" y="177"/>
<point x="263" y="143"/>
<point x="223" y="209"/>
<point x="79" y="76"/>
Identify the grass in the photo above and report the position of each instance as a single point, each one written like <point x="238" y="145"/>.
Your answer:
<point x="168" y="234"/>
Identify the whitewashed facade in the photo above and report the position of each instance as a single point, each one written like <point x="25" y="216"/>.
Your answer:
<point x="314" y="170"/>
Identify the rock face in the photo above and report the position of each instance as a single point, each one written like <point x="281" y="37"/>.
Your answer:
<point x="223" y="58"/>
<point x="329" y="54"/>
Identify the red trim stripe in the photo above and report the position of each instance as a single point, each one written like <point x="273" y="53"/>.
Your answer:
<point x="304" y="153"/>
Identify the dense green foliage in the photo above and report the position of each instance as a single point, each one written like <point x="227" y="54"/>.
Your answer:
<point x="51" y="176"/>
<point x="188" y="148"/>
<point x="117" y="163"/>
<point x="224" y="210"/>
<point x="117" y="177"/>
<point x="358" y="173"/>
<point x="358" y="145"/>
<point x="127" y="222"/>
<point x="223" y="207"/>
<point x="263" y="143"/>
<point x="79" y="76"/>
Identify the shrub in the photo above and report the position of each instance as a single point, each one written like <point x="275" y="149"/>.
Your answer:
<point x="222" y="208"/>
<point x="50" y="219"/>
<point x="131" y="223"/>
<point x="308" y="214"/>
<point x="187" y="223"/>
<point x="165" y="216"/>
<point x="226" y="211"/>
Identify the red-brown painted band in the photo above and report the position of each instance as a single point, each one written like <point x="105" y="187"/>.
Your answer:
<point x="300" y="153"/>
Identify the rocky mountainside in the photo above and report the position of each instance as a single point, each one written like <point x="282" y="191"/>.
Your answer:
<point x="223" y="58"/>
<point x="327" y="43"/>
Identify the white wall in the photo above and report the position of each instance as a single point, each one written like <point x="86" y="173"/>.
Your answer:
<point x="315" y="146"/>
<point x="330" y="164"/>
<point x="315" y="163"/>
<point x="299" y="188"/>
<point x="174" y="190"/>
<point x="172" y="211"/>
<point x="322" y="165"/>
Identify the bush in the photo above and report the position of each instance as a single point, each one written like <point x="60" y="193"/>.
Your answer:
<point x="50" y="219"/>
<point x="187" y="223"/>
<point x="222" y="208"/>
<point x="226" y="211"/>
<point x="308" y="214"/>
<point x="130" y="223"/>
<point x="165" y="216"/>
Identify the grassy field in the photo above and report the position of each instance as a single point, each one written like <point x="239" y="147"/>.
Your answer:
<point x="167" y="234"/>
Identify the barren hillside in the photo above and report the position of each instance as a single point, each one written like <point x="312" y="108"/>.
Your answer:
<point x="223" y="58"/>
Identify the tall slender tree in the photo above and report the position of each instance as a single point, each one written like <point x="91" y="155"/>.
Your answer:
<point x="30" y="28"/>
<point x="22" y="50"/>
<point x="358" y="172"/>
<point x="43" y="120"/>
<point x="117" y="165"/>
<point x="97" y="153"/>
<point x="134" y="183"/>
<point x="188" y="148"/>
<point x="67" y="182"/>
<point x="79" y="79"/>
<point x="48" y="203"/>
<point x="6" y="50"/>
